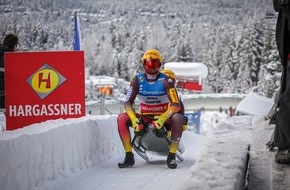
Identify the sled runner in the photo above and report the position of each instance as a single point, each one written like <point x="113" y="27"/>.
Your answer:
<point x="150" y="139"/>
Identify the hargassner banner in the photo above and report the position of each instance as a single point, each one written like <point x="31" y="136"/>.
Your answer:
<point x="42" y="86"/>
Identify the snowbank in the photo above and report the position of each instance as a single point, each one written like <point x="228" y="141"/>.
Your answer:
<point x="223" y="161"/>
<point x="254" y="104"/>
<point x="54" y="149"/>
<point x="188" y="69"/>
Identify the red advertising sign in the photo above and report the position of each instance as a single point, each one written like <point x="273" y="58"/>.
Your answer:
<point x="41" y="86"/>
<point x="189" y="85"/>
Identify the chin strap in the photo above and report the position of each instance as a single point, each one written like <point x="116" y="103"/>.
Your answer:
<point x="152" y="75"/>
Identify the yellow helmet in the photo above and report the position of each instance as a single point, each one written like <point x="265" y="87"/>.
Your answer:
<point x="152" y="61"/>
<point x="169" y="73"/>
<point x="153" y="54"/>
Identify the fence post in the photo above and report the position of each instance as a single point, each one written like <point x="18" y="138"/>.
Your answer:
<point x="121" y="106"/>
<point x="102" y="104"/>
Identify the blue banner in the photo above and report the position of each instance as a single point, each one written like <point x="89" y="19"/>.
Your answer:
<point x="194" y="120"/>
<point x="77" y="42"/>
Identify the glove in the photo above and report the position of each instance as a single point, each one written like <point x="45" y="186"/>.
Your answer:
<point x="184" y="127"/>
<point x="158" y="124"/>
<point x="184" y="124"/>
<point x="135" y="124"/>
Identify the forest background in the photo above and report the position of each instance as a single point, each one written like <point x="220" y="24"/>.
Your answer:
<point x="234" y="38"/>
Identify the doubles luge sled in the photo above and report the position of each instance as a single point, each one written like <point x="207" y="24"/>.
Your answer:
<point x="155" y="141"/>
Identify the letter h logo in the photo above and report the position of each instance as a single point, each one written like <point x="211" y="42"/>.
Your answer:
<point x="41" y="79"/>
<point x="45" y="80"/>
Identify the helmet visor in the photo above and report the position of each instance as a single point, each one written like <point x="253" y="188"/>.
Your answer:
<point x="151" y="66"/>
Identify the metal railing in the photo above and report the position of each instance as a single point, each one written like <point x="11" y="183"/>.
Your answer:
<point x="105" y="106"/>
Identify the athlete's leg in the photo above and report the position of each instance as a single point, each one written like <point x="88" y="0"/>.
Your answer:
<point x="176" y="121"/>
<point x="176" y="131"/>
<point x="123" y="127"/>
<point x="123" y="122"/>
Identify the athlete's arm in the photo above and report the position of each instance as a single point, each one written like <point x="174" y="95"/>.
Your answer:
<point x="174" y="105"/>
<point x="130" y="98"/>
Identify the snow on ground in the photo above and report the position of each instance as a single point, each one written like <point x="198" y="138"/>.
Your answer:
<point x="223" y="159"/>
<point x="54" y="150"/>
<point x="83" y="154"/>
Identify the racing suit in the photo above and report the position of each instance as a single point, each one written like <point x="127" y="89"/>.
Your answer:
<point x="155" y="97"/>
